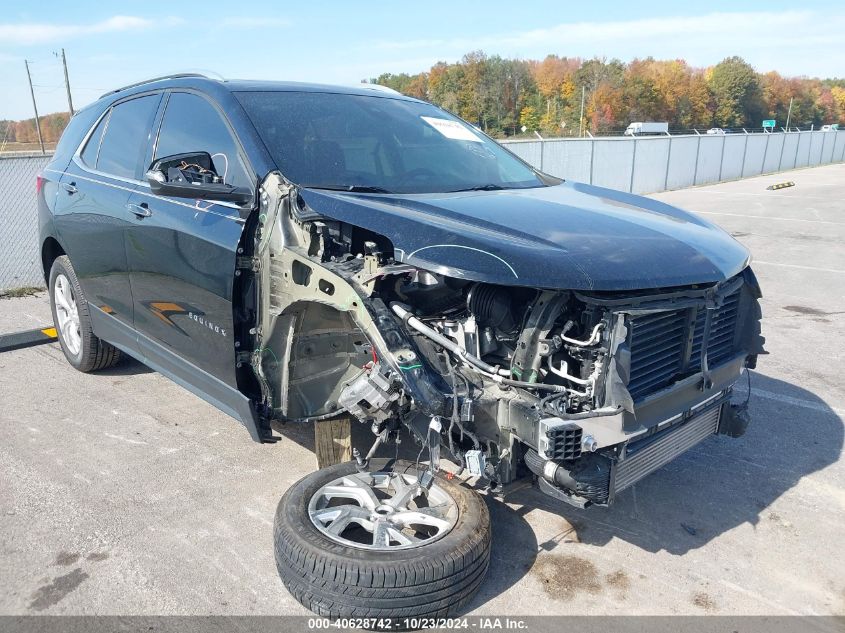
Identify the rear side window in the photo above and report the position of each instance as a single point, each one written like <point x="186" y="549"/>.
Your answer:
<point x="74" y="134"/>
<point x="92" y="147"/>
<point x="126" y="135"/>
<point x="192" y="124"/>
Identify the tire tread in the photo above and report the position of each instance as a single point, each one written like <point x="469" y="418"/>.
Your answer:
<point x="378" y="584"/>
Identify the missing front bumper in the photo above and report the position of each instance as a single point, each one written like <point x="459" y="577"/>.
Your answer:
<point x="643" y="458"/>
<point x="597" y="479"/>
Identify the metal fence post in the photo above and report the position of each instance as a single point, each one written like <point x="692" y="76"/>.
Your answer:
<point x="542" y="151"/>
<point x="633" y="167"/>
<point x="592" y="156"/>
<point x="697" y="154"/>
<point x="744" y="153"/>
<point x="765" y="152"/>
<point x="722" y="157"/>
<point x="810" y="150"/>
<point x="782" y="147"/>
<point x="668" y="162"/>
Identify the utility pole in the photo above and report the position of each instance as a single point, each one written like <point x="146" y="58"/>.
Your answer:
<point x="789" y="113"/>
<point x="34" y="107"/>
<point x="67" y="84"/>
<point x="581" y="120"/>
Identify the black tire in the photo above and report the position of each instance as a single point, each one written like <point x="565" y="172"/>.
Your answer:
<point x="431" y="581"/>
<point x="93" y="353"/>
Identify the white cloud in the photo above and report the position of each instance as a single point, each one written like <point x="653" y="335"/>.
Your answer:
<point x="39" y="33"/>
<point x="793" y="42"/>
<point x="247" y="22"/>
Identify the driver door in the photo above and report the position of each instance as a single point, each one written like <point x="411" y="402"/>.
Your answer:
<point x="182" y="252"/>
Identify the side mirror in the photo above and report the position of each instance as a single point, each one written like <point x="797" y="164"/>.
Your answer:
<point x="192" y="176"/>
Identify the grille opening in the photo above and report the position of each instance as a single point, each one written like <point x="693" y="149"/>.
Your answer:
<point x="659" y="343"/>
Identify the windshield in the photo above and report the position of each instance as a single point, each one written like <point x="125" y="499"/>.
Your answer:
<point x="379" y="145"/>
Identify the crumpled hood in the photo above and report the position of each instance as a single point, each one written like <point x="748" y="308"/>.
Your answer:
<point x="568" y="236"/>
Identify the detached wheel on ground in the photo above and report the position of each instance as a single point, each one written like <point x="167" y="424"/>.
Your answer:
<point x="81" y="347"/>
<point x="375" y="545"/>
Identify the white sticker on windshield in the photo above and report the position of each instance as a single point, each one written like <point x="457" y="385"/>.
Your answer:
<point x="451" y="129"/>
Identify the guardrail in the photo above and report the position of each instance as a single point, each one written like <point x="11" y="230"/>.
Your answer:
<point x="652" y="164"/>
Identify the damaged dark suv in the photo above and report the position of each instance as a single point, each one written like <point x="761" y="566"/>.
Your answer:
<point x="294" y="252"/>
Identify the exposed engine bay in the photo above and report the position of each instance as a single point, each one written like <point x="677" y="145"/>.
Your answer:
<point x="589" y="391"/>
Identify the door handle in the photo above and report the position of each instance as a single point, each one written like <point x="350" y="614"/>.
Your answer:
<point x="140" y="210"/>
<point x="70" y="187"/>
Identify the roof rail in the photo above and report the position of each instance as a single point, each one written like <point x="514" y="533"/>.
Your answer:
<point x="377" y="87"/>
<point x="149" y="81"/>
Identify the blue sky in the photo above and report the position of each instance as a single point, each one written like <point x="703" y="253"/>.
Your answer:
<point x="112" y="44"/>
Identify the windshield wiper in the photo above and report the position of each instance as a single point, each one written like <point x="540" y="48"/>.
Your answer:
<point x="490" y="187"/>
<point x="350" y="188"/>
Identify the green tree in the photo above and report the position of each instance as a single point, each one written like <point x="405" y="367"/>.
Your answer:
<point x="736" y="92"/>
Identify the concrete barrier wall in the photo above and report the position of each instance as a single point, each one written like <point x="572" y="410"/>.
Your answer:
<point x="660" y="163"/>
<point x="838" y="147"/>
<point x="802" y="154"/>
<point x="733" y="157"/>
<point x="649" y="155"/>
<point x="771" y="161"/>
<point x="616" y="159"/>
<point x="789" y="155"/>
<point x="681" y="168"/>
<point x="574" y="158"/>
<point x="709" y="159"/>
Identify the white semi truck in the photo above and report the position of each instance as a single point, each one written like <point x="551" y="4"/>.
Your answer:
<point x="647" y="128"/>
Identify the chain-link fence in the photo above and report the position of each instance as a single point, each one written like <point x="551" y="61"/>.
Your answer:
<point x="20" y="260"/>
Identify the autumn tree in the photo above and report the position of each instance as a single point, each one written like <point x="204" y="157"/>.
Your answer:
<point x="838" y="94"/>
<point x="529" y="118"/>
<point x="501" y="95"/>
<point x="639" y="91"/>
<point x="776" y="92"/>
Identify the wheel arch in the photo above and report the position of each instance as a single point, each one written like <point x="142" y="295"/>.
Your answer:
<point x="51" y="249"/>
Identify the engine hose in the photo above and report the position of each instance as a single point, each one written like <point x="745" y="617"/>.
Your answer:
<point x="315" y="418"/>
<point x="477" y="364"/>
<point x="548" y="470"/>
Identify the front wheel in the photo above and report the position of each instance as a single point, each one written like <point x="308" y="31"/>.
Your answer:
<point x="377" y="545"/>
<point x="85" y="351"/>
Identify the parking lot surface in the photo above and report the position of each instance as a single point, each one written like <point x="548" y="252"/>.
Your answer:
<point x="122" y="493"/>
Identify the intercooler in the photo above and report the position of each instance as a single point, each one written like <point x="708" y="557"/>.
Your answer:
<point x="597" y="478"/>
<point x="644" y="457"/>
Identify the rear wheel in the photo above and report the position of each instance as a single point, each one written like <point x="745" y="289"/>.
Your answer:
<point x="85" y="351"/>
<point x="377" y="545"/>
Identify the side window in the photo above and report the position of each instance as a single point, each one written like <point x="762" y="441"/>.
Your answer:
<point x="125" y="141"/>
<point x="192" y="124"/>
<point x="92" y="147"/>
